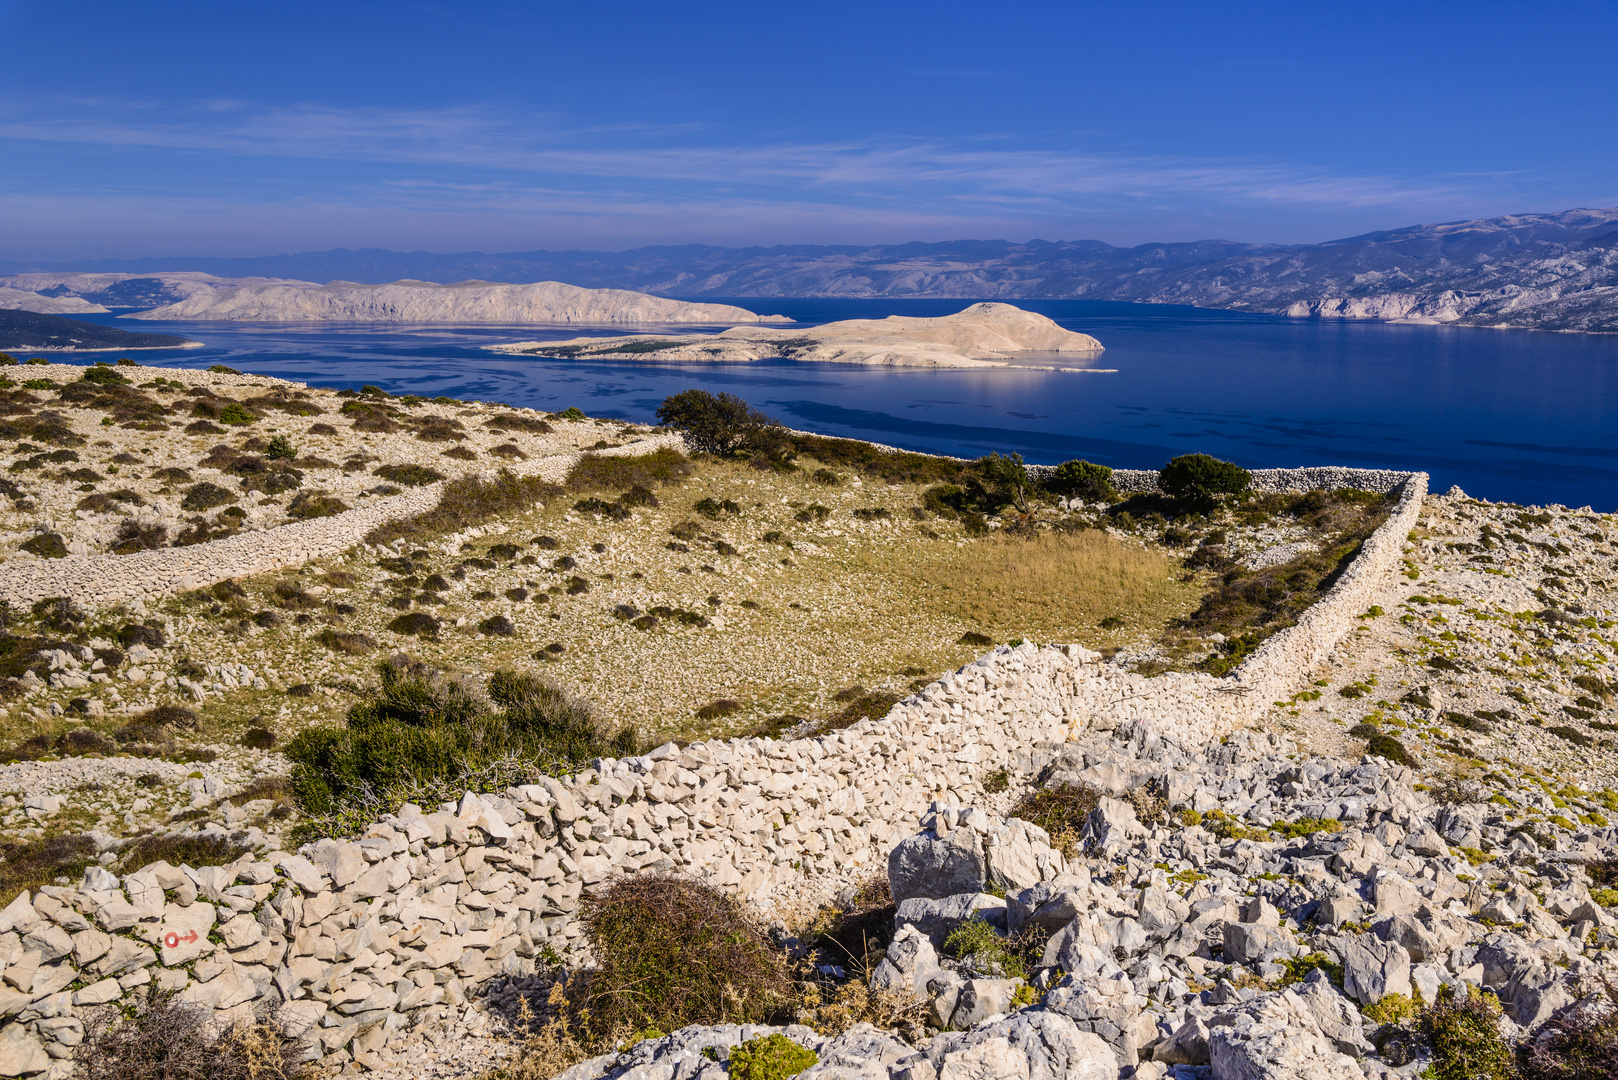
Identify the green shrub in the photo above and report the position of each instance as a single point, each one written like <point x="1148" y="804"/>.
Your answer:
<point x="47" y="545"/>
<point x="205" y="496"/>
<point x="415" y="624"/>
<point x="1199" y="478"/>
<point x="468" y="501"/>
<point x="976" y="940"/>
<point x="1386" y="746"/>
<point x="716" y="710"/>
<point x="1465" y="1038"/>
<point x="996" y="782"/>
<point x="315" y="504"/>
<point x="1299" y="967"/>
<point x="1060" y="811"/>
<point x="722" y="424"/>
<point x="236" y="413"/>
<point x="770" y="1057"/>
<point x="420" y="727"/>
<point x="1082" y="480"/>
<point x="221" y="369"/>
<point x="673" y="952"/>
<point x="600" y="472"/>
<point x="103" y="375"/>
<point x="945" y="500"/>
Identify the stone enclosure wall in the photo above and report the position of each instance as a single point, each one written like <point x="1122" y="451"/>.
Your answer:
<point x="359" y="940"/>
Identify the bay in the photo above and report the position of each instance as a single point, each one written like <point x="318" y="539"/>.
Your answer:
<point x="1511" y="415"/>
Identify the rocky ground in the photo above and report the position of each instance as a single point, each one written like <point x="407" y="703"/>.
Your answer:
<point x="1433" y="810"/>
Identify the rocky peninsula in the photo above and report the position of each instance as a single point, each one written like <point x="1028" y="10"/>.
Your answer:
<point x="983" y="335"/>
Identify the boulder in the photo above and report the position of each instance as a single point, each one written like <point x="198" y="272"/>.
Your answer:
<point x="1247" y="943"/>
<point x="1336" y="1016"/>
<point x="1373" y="968"/>
<point x="927" y="866"/>
<point x="1111" y="825"/>
<point x="1187" y="1046"/>
<point x="1035" y="1043"/>
<point x="936" y="918"/>
<point x="1019" y="854"/>
<point x="980" y="999"/>
<point x="911" y="963"/>
<point x="1275" y="1037"/>
<point x="20" y="1053"/>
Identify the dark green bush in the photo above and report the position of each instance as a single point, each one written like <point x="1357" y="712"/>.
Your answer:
<point x="205" y="496"/>
<point x="1079" y="479"/>
<point x="47" y="545"/>
<point x="468" y="501"/>
<point x="1465" y="1038"/>
<point x="315" y="504"/>
<point x="1006" y="480"/>
<point x="420" y="727"/>
<point x="280" y="449"/>
<point x="1386" y="746"/>
<point x="600" y="472"/>
<point x="674" y="952"/>
<point x="1198" y="478"/>
<point x="723" y="424"/>
<point x="236" y="413"/>
<point x="408" y="475"/>
<point x="221" y="369"/>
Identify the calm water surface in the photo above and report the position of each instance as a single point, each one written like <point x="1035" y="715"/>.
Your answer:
<point x="1511" y="415"/>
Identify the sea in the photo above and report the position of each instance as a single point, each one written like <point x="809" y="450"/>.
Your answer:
<point x="1508" y="415"/>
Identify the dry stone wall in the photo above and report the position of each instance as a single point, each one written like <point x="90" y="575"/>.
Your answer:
<point x="359" y="940"/>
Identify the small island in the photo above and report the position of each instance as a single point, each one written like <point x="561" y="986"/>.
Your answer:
<point x="983" y="335"/>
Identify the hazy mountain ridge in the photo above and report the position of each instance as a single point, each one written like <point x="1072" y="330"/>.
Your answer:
<point x="1548" y="271"/>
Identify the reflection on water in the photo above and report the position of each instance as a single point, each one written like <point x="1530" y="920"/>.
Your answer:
<point x="1512" y="415"/>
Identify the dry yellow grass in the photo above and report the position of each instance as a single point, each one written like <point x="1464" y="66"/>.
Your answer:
<point x="1052" y="587"/>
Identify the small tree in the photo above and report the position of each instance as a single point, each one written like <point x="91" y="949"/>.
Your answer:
<point x="1079" y="479"/>
<point x="1199" y="478"/>
<point x="724" y="424"/>
<point x="1007" y="477"/>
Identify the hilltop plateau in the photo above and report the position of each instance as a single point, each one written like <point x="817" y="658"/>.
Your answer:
<point x="571" y="746"/>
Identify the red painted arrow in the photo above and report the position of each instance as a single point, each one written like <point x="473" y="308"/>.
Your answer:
<point x="172" y="940"/>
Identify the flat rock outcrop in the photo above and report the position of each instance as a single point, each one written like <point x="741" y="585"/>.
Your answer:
<point x="983" y="335"/>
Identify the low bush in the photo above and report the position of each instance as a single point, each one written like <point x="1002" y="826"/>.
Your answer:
<point x="716" y="710"/>
<point x="975" y="640"/>
<point x="257" y="738"/>
<point x="136" y="536"/>
<point x="769" y="1057"/>
<point x="205" y="496"/>
<point x="419" y="727"/>
<point x="1465" y="1037"/>
<point x="1386" y="746"/>
<point x="183" y="849"/>
<point x="415" y="624"/>
<point x="280" y="448"/>
<point x="165" y="1038"/>
<point x="315" y="504"/>
<point x="47" y="545"/>
<point x="354" y="644"/>
<point x="497" y="626"/>
<point x="465" y="502"/>
<point x="1081" y="479"/>
<point x="600" y="472"/>
<point x="1200" y="479"/>
<point x="408" y="475"/>
<point x="28" y="864"/>
<point x="1060" y="811"/>
<point x="673" y="952"/>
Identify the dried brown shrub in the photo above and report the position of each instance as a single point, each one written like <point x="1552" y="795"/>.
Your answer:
<point x="673" y="951"/>
<point x="167" y="1039"/>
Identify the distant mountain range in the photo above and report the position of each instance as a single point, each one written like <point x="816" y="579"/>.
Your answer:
<point x="1546" y="271"/>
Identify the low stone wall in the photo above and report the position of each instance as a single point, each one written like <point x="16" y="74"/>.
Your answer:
<point x="363" y="939"/>
<point x="96" y="580"/>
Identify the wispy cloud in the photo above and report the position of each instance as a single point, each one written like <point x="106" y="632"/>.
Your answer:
<point x="1047" y="178"/>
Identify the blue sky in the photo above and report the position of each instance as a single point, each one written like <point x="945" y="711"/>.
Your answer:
<point x="244" y="129"/>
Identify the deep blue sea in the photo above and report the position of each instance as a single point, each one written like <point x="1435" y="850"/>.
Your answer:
<point x="1513" y="415"/>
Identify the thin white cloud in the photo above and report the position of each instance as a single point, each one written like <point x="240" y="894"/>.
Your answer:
<point x="1041" y="181"/>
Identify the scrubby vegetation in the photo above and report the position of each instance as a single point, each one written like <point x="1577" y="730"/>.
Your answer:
<point x="422" y="729"/>
<point x="162" y="1037"/>
<point x="672" y="951"/>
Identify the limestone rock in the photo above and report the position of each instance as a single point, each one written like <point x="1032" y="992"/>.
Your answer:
<point x="927" y="866"/>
